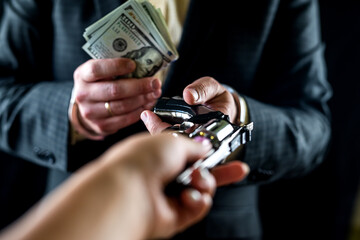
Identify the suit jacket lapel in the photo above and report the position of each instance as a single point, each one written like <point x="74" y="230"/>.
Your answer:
<point x="197" y="28"/>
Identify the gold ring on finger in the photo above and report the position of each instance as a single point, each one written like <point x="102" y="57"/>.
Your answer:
<point x="108" y="108"/>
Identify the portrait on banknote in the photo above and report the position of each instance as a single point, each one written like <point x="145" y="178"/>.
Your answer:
<point x="148" y="61"/>
<point x="134" y="30"/>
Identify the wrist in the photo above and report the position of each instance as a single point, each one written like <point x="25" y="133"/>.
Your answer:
<point x="78" y="129"/>
<point x="112" y="185"/>
<point x="129" y="184"/>
<point x="242" y="116"/>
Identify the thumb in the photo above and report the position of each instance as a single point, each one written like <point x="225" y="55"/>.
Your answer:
<point x="153" y="123"/>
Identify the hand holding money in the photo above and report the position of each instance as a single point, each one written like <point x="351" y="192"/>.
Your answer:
<point x="103" y="105"/>
<point x="134" y="30"/>
<point x="106" y="96"/>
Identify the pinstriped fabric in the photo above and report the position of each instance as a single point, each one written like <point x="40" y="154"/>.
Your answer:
<point x="36" y="116"/>
<point x="48" y="121"/>
<point x="70" y="21"/>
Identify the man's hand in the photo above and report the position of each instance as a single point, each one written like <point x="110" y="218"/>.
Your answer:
<point x="160" y="160"/>
<point x="206" y="91"/>
<point x="105" y="103"/>
<point x="210" y="93"/>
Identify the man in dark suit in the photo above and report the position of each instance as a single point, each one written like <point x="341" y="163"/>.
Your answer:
<point x="269" y="53"/>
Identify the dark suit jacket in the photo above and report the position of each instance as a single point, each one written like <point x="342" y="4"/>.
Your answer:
<point x="269" y="51"/>
<point x="328" y="194"/>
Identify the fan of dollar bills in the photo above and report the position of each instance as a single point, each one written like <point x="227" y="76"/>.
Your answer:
<point x="135" y="30"/>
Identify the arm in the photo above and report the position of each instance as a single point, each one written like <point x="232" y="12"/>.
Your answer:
<point x="120" y="195"/>
<point x="35" y="97"/>
<point x="289" y="105"/>
<point x="287" y="101"/>
<point x="33" y="109"/>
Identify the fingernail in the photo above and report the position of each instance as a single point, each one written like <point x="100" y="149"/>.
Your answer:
<point x="246" y="168"/>
<point x="201" y="139"/>
<point x="206" y="142"/>
<point x="155" y="84"/>
<point x="195" y="195"/>
<point x="195" y="94"/>
<point x="144" y="116"/>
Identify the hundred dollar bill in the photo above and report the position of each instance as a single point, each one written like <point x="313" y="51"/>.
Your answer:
<point x="123" y="37"/>
<point x="97" y="26"/>
<point x="143" y="12"/>
<point x="140" y="12"/>
<point x="159" y="22"/>
<point x="134" y="30"/>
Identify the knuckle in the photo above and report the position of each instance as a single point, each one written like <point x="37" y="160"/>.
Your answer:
<point x="210" y="79"/>
<point x="152" y="130"/>
<point x="77" y="74"/>
<point x="81" y="96"/>
<point x="91" y="70"/>
<point x="207" y="88"/>
<point x="155" y="128"/>
<point x="149" y="84"/>
<point x="202" y="90"/>
<point x="148" y="97"/>
<point x="115" y="90"/>
<point x="87" y="113"/>
<point x="86" y="72"/>
<point x="119" y="107"/>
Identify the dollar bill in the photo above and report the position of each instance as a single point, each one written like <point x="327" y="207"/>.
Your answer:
<point x="133" y="30"/>
<point x="97" y="26"/>
<point x="159" y="22"/>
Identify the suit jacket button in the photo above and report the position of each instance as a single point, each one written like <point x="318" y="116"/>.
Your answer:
<point x="260" y="174"/>
<point x="45" y="155"/>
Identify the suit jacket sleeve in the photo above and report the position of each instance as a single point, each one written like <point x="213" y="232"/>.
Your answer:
<point x="289" y="102"/>
<point x="33" y="115"/>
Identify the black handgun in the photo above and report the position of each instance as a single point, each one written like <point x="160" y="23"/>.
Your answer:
<point x="199" y="122"/>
